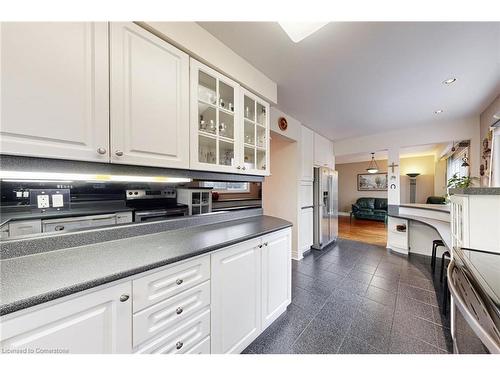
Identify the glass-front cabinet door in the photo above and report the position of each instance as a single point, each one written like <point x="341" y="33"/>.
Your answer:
<point x="214" y="120"/>
<point x="255" y="148"/>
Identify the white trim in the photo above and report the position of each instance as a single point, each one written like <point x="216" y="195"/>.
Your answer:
<point x="343" y="213"/>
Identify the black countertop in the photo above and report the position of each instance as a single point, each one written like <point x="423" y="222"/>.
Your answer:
<point x="30" y="280"/>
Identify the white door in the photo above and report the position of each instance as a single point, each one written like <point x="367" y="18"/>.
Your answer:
<point x="97" y="322"/>
<point x="236" y="297"/>
<point x="54" y="90"/>
<point x="214" y="120"/>
<point x="323" y="151"/>
<point x="307" y="151"/>
<point x="276" y="275"/>
<point x="254" y="142"/>
<point x="306" y="231"/>
<point x="149" y="99"/>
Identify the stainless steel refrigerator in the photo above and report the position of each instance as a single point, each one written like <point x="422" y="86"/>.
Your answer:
<point x="326" y="226"/>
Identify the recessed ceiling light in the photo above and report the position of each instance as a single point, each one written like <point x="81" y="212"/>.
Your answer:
<point x="437" y="112"/>
<point x="449" y="81"/>
<point x="300" y="30"/>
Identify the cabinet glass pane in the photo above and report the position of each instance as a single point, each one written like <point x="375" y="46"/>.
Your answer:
<point x="249" y="133"/>
<point x="226" y="125"/>
<point x="207" y="118"/>
<point x="204" y="197"/>
<point x="249" y="157"/>
<point x="261" y="160"/>
<point x="249" y="108"/>
<point x="195" y="210"/>
<point x="261" y="114"/>
<point x="226" y="153"/>
<point x="207" y="150"/>
<point x="226" y="95"/>
<point x="195" y="198"/>
<point x="261" y="136"/>
<point x="204" y="209"/>
<point x="207" y="88"/>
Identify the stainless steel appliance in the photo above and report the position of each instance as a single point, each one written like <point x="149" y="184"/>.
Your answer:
<point x="154" y="205"/>
<point x="325" y="195"/>
<point x="474" y="283"/>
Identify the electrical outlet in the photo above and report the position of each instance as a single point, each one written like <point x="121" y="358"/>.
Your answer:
<point x="43" y="201"/>
<point x="57" y="200"/>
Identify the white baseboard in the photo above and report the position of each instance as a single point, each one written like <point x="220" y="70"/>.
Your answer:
<point x="342" y="213"/>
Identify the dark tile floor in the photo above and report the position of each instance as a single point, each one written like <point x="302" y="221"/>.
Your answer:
<point x="359" y="298"/>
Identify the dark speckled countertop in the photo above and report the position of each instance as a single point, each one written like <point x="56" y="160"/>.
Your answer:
<point x="33" y="279"/>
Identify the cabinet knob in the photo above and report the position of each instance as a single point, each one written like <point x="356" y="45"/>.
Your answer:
<point x="238" y="167"/>
<point x="101" y="150"/>
<point x="124" y="297"/>
<point x="179" y="281"/>
<point x="179" y="345"/>
<point x="119" y="153"/>
<point x="259" y="246"/>
<point x="179" y="310"/>
<point x="265" y="243"/>
<point x="244" y="168"/>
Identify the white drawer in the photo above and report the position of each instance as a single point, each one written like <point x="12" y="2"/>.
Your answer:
<point x="161" y="285"/>
<point x="167" y="313"/>
<point x="183" y="339"/>
<point x="203" y="347"/>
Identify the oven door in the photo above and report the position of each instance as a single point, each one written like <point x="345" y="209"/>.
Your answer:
<point x="157" y="215"/>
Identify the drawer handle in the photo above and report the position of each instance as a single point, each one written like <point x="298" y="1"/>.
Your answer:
<point x="124" y="297"/>
<point x="179" y="281"/>
<point x="59" y="227"/>
<point x="265" y="243"/>
<point x="179" y="345"/>
<point x="259" y="246"/>
<point x="179" y="310"/>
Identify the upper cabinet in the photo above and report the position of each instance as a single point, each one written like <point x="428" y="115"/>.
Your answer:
<point x="54" y="90"/>
<point x="149" y="99"/>
<point x="307" y="151"/>
<point x="323" y="151"/>
<point x="229" y="126"/>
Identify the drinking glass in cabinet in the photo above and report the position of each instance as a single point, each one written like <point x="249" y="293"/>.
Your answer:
<point x="207" y="88"/>
<point x="226" y="125"/>
<point x="205" y="197"/>
<point x="207" y="119"/>
<point x="261" y="160"/>
<point x="226" y="97"/>
<point x="249" y="132"/>
<point x="249" y="108"/>
<point x="261" y="114"/>
<point x="249" y="157"/>
<point x="195" y="198"/>
<point x="226" y="153"/>
<point x="207" y="150"/>
<point x="261" y="136"/>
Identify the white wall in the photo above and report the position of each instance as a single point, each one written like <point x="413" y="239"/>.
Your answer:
<point x="293" y="130"/>
<point x="199" y="43"/>
<point x="456" y="130"/>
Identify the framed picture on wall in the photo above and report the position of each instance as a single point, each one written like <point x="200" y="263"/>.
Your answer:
<point x="372" y="182"/>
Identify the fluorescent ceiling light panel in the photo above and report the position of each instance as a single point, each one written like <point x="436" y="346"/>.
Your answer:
<point x="300" y="30"/>
<point x="18" y="175"/>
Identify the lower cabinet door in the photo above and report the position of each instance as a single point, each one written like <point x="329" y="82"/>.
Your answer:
<point x="276" y="275"/>
<point x="97" y="322"/>
<point x="184" y="337"/>
<point x="236" y="297"/>
<point x="306" y="230"/>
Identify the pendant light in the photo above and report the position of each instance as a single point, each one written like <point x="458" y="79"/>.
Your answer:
<point x="372" y="167"/>
<point x="465" y="161"/>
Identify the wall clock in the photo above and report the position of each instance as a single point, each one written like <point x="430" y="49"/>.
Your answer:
<point x="282" y="123"/>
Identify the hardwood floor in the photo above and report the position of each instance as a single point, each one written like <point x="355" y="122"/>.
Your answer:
<point x="368" y="231"/>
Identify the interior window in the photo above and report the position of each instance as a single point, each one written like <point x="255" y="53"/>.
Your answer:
<point x="228" y="187"/>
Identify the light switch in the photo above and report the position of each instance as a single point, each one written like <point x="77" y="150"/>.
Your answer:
<point x="19" y="194"/>
<point x="43" y="201"/>
<point x="57" y="200"/>
<point x="26" y="194"/>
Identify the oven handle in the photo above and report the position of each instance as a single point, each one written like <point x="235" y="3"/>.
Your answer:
<point x="484" y="336"/>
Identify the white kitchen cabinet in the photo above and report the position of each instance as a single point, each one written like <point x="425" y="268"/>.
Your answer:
<point x="254" y="137"/>
<point x="306" y="194"/>
<point x="236" y="297"/>
<point x="276" y="275"/>
<point x="97" y="322"/>
<point x="307" y="153"/>
<point x="229" y="125"/>
<point x="54" y="90"/>
<point x="149" y="99"/>
<point x="323" y="151"/>
<point x="306" y="230"/>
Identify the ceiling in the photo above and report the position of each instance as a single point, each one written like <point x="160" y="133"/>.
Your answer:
<point x="356" y="78"/>
<point x="435" y="149"/>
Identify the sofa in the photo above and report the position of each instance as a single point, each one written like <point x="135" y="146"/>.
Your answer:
<point x="370" y="208"/>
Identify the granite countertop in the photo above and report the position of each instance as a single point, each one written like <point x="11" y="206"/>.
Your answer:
<point x="476" y="191"/>
<point x="33" y="279"/>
